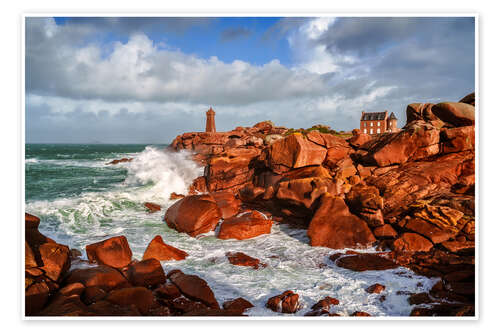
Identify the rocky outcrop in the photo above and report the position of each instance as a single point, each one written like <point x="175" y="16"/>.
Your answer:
<point x="158" y="250"/>
<point x="287" y="302"/>
<point x="295" y="151"/>
<point x="114" y="252"/>
<point x="193" y="287"/>
<point x="457" y="114"/>
<point x="241" y="259"/>
<point x="194" y="215"/>
<point x="335" y="227"/>
<point x="152" y="207"/>
<point x="248" y="225"/>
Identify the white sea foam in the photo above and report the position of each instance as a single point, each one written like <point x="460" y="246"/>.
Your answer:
<point x="292" y="263"/>
<point x="31" y="160"/>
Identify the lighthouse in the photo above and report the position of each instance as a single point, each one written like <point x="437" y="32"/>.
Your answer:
<point x="210" y="128"/>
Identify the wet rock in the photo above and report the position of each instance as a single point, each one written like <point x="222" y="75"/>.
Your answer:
<point x="114" y="252"/>
<point x="241" y="259"/>
<point x="287" y="302"/>
<point x="227" y="202"/>
<point x="167" y="291"/>
<point x="146" y="273"/>
<point x="366" y="262"/>
<point x="376" y="288"/>
<point x="420" y="298"/>
<point x="152" y="207"/>
<point x="194" y="287"/>
<point x="246" y="226"/>
<point x="31" y="221"/>
<point x="175" y="196"/>
<point x="335" y="227"/>
<point x="140" y="297"/>
<point x="360" y="314"/>
<point x="56" y="260"/>
<point x="238" y="305"/>
<point x="104" y="277"/>
<point x="122" y="160"/>
<point x="157" y="249"/>
<point x="76" y="288"/>
<point x="325" y="304"/>
<point x="194" y="215"/>
<point x="36" y="296"/>
<point x="93" y="294"/>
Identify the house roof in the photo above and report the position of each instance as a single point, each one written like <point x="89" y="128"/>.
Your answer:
<point x="374" y="116"/>
<point x="392" y="116"/>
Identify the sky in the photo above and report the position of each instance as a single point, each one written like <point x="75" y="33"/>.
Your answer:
<point x="149" y="79"/>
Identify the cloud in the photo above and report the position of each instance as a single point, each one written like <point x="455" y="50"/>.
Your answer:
<point x="134" y="89"/>
<point x="233" y="33"/>
<point x="138" y="70"/>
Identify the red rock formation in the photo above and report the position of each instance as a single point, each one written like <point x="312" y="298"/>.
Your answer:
<point x="366" y="262"/>
<point x="194" y="215"/>
<point x="457" y="114"/>
<point x="376" y="288"/>
<point x="152" y="207"/>
<point x="411" y="242"/>
<point x="241" y="259"/>
<point x="122" y="160"/>
<point x="335" y="227"/>
<point x="238" y="305"/>
<point x="157" y="249"/>
<point x="193" y="287"/>
<point x="287" y="302"/>
<point x="146" y="273"/>
<point x="104" y="277"/>
<point x="140" y="297"/>
<point x="114" y="252"/>
<point x="294" y="151"/>
<point x="248" y="225"/>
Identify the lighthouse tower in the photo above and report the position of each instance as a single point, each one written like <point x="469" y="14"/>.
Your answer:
<point x="210" y="128"/>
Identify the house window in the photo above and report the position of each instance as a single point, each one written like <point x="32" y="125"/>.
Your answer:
<point x="379" y="124"/>
<point x="371" y="130"/>
<point x="371" y="124"/>
<point x="378" y="130"/>
<point x="365" y="131"/>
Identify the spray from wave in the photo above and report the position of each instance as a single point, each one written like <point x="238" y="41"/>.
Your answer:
<point x="165" y="172"/>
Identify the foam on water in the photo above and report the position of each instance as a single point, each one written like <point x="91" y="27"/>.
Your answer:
<point x="292" y="263"/>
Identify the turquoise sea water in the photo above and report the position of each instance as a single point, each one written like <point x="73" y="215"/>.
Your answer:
<point x="81" y="199"/>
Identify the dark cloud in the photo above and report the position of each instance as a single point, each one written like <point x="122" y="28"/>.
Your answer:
<point x="233" y="33"/>
<point x="128" y="25"/>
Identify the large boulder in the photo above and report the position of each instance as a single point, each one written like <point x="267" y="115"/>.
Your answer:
<point x="418" y="140"/>
<point x="238" y="305"/>
<point x="241" y="259"/>
<point x="56" y="260"/>
<point x="104" y="277"/>
<point x="228" y="204"/>
<point x="140" y="297"/>
<point x="422" y="111"/>
<point x="194" y="287"/>
<point x="287" y="302"/>
<point x="457" y="139"/>
<point x="457" y="114"/>
<point x="469" y="99"/>
<point x="305" y="191"/>
<point x="295" y="151"/>
<point x="114" y="252"/>
<point x="412" y="242"/>
<point x="335" y="227"/>
<point x="247" y="225"/>
<point x="194" y="215"/>
<point x="157" y="249"/>
<point x="366" y="262"/>
<point x="231" y="169"/>
<point x="146" y="273"/>
<point x="366" y="202"/>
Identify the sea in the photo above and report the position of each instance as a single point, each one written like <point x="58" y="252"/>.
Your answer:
<point x="81" y="199"/>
